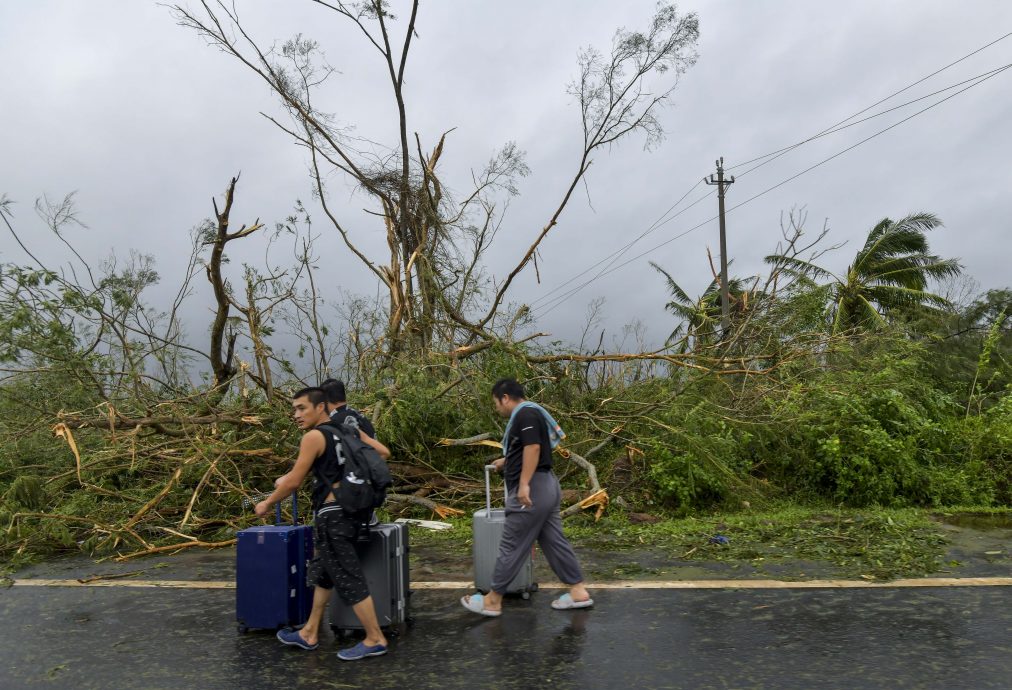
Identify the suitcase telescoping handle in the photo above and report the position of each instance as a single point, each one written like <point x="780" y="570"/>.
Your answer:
<point x="295" y="511"/>
<point x="488" y="490"/>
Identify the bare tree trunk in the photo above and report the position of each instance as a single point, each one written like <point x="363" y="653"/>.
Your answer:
<point x="222" y="352"/>
<point x="221" y="362"/>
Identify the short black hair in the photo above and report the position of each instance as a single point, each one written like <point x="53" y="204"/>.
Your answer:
<point x="510" y="387"/>
<point x="316" y="395"/>
<point x="335" y="391"/>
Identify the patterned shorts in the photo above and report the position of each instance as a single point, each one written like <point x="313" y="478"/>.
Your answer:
<point x="335" y="563"/>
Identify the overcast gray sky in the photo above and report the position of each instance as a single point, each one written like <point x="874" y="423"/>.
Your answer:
<point x="146" y="122"/>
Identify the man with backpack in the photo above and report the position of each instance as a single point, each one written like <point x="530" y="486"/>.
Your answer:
<point x="334" y="455"/>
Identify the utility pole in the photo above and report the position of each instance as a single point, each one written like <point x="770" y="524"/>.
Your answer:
<point x="722" y="184"/>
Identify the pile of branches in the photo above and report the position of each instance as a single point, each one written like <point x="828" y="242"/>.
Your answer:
<point x="134" y="486"/>
<point x="131" y="484"/>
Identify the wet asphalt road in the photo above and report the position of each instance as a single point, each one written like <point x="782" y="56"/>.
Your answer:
<point x="862" y="638"/>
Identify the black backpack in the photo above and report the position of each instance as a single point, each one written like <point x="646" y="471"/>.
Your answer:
<point x="366" y="475"/>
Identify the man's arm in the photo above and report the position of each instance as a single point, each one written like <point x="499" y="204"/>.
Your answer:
<point x="310" y="448"/>
<point x="532" y="456"/>
<point x="383" y="451"/>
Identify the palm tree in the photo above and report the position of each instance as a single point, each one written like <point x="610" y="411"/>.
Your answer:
<point x="699" y="319"/>
<point x="891" y="272"/>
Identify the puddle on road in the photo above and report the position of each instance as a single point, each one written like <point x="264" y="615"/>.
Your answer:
<point x="978" y="521"/>
<point x="979" y="544"/>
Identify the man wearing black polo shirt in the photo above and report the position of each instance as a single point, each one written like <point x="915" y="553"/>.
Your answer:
<point x="532" y="505"/>
<point x="337" y="406"/>
<point x="340" y="411"/>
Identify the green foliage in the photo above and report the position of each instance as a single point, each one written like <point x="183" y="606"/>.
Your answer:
<point x="916" y="412"/>
<point x="697" y="463"/>
<point x="873" y="432"/>
<point x="27" y="491"/>
<point x="866" y="426"/>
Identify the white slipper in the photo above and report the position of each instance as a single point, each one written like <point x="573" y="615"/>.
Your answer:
<point x="566" y="602"/>
<point x="475" y="603"/>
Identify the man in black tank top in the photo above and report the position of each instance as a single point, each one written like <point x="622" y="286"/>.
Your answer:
<point x="335" y="564"/>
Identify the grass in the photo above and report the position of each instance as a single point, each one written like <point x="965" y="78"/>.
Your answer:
<point x="873" y="543"/>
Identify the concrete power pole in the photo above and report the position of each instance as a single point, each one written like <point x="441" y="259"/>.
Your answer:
<point x="722" y="184"/>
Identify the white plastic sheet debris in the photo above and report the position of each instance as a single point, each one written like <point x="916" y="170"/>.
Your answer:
<point x="426" y="524"/>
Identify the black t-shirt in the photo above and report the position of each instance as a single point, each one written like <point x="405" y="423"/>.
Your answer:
<point x="528" y="428"/>
<point x="338" y="416"/>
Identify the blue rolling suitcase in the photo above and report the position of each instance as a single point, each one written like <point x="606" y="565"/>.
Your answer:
<point x="270" y="574"/>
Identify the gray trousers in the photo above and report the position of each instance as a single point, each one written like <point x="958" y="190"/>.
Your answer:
<point x="541" y="523"/>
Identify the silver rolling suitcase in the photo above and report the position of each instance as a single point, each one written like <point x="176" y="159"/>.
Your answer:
<point x="488" y="526"/>
<point x="385" y="566"/>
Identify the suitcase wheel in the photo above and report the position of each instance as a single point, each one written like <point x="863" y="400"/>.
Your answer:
<point x="525" y="595"/>
<point x="243" y="629"/>
<point x="342" y="634"/>
<point x="533" y="587"/>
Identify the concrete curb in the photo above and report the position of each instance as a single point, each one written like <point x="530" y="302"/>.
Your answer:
<point x="632" y="584"/>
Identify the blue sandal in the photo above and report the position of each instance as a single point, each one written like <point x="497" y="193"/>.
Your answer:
<point x="292" y="637"/>
<point x="361" y="651"/>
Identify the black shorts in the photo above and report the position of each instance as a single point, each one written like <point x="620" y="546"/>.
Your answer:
<point x="335" y="563"/>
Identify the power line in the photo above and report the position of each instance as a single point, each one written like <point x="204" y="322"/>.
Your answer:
<point x="836" y="129"/>
<point x="561" y="299"/>
<point x="773" y="155"/>
<point x="892" y="95"/>
<point x="614" y="256"/>
<point x="991" y="75"/>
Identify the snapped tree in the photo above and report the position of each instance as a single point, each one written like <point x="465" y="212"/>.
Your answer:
<point x="440" y="295"/>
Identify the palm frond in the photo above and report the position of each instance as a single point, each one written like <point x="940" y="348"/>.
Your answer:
<point x="674" y="336"/>
<point x="798" y="267"/>
<point x="894" y="296"/>
<point x="875" y="233"/>
<point x="889" y="246"/>
<point x="864" y="313"/>
<point x="921" y="222"/>
<point x="674" y="288"/>
<point x="837" y="315"/>
<point x="914" y="271"/>
<point x="680" y="310"/>
<point x="904" y="271"/>
<point x="888" y="239"/>
<point x="939" y="268"/>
